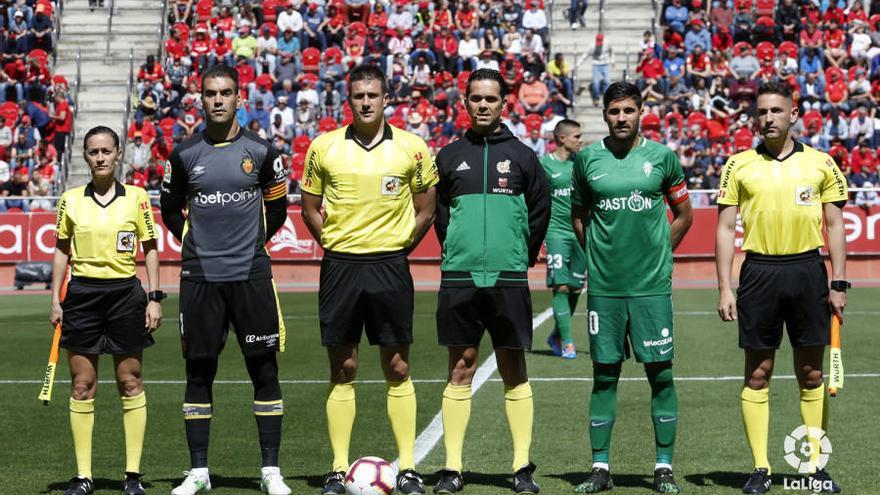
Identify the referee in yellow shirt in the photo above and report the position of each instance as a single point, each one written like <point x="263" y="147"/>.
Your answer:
<point x="783" y="189"/>
<point x="377" y="186"/>
<point x="106" y="309"/>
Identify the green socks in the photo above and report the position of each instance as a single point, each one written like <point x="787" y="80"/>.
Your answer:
<point x="664" y="412"/>
<point x="603" y="410"/>
<point x="562" y="314"/>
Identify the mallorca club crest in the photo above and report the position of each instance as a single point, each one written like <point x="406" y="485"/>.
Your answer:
<point x="247" y="165"/>
<point x="647" y="167"/>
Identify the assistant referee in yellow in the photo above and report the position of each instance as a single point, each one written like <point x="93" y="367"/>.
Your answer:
<point x="105" y="311"/>
<point x="377" y="186"/>
<point x="783" y="189"/>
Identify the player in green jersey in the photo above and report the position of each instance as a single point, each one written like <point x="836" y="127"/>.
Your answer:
<point x="566" y="265"/>
<point x="618" y="210"/>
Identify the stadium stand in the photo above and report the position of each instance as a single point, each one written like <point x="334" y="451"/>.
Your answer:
<point x="699" y="79"/>
<point x="36" y="111"/>
<point x="703" y="77"/>
<point x="293" y="57"/>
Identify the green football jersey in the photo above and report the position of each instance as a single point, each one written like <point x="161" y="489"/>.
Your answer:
<point x="628" y="245"/>
<point x="559" y="177"/>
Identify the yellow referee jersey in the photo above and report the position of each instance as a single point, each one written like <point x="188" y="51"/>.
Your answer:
<point x="368" y="192"/>
<point x="104" y="239"/>
<point x="781" y="200"/>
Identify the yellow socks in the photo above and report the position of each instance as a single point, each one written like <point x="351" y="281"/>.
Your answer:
<point x="756" y="419"/>
<point x="520" y="410"/>
<point x="134" y="422"/>
<point x="456" y="414"/>
<point x="815" y="416"/>
<point x="82" y="422"/>
<point x="341" y="411"/>
<point x="401" y="400"/>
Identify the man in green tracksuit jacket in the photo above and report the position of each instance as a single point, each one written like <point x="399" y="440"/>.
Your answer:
<point x="493" y="209"/>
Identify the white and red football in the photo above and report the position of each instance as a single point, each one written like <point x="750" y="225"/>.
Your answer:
<point x="370" y="476"/>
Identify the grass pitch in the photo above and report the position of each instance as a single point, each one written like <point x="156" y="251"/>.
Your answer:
<point x="711" y="452"/>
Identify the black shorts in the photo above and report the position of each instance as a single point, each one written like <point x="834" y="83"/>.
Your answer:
<point x="791" y="289"/>
<point x="464" y="313"/>
<point x="372" y="292"/>
<point x="207" y="309"/>
<point x="105" y="316"/>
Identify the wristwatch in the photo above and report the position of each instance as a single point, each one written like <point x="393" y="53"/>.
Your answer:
<point x="840" y="285"/>
<point x="156" y="295"/>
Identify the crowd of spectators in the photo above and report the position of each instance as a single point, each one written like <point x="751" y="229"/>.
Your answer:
<point x="36" y="113"/>
<point x="700" y="81"/>
<point x="292" y="57"/>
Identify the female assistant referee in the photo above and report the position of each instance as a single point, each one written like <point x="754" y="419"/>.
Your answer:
<point x="105" y="310"/>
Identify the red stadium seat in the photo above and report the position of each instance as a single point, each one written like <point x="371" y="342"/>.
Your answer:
<point x="327" y="124"/>
<point x="310" y="79"/>
<point x="765" y="7"/>
<point x="40" y="55"/>
<point x="347" y="114"/>
<point x="533" y="121"/>
<point x="333" y="55"/>
<point x="203" y="10"/>
<point x="462" y="80"/>
<point x="462" y="121"/>
<point x="301" y="144"/>
<point x="311" y="60"/>
<point x="357" y="28"/>
<point x="397" y="121"/>
<point x="183" y="29"/>
<point x="811" y="117"/>
<point x="789" y="48"/>
<point x="9" y="112"/>
<point x="742" y="48"/>
<point x="834" y="70"/>
<point x="273" y="28"/>
<point x="743" y="5"/>
<point x="297" y="165"/>
<point x="697" y="119"/>
<point x="765" y="49"/>
<point x="270" y="12"/>
<point x="765" y="28"/>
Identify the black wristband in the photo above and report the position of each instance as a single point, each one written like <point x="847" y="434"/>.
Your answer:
<point x="156" y="295"/>
<point x="840" y="285"/>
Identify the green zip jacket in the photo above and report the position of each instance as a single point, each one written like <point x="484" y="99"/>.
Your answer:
<point x="493" y="208"/>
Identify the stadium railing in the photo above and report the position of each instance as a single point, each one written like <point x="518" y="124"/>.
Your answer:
<point x="582" y="56"/>
<point x="109" y="26"/>
<point x="56" y="31"/>
<point x="126" y="118"/>
<point x="163" y="32"/>
<point x="61" y="180"/>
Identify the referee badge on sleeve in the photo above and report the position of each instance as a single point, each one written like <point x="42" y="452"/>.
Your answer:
<point x="390" y="186"/>
<point x="804" y="196"/>
<point x="125" y="241"/>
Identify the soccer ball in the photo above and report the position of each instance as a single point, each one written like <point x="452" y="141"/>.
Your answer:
<point x="370" y="476"/>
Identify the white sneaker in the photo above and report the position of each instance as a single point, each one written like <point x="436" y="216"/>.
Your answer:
<point x="575" y="25"/>
<point x="196" y="481"/>
<point x="273" y="482"/>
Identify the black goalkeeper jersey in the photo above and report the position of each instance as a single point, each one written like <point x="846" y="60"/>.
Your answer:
<point x="223" y="186"/>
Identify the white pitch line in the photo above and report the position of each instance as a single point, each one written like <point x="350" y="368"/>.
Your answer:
<point x="426" y="441"/>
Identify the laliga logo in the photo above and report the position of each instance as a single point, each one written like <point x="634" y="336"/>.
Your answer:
<point x="799" y="450"/>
